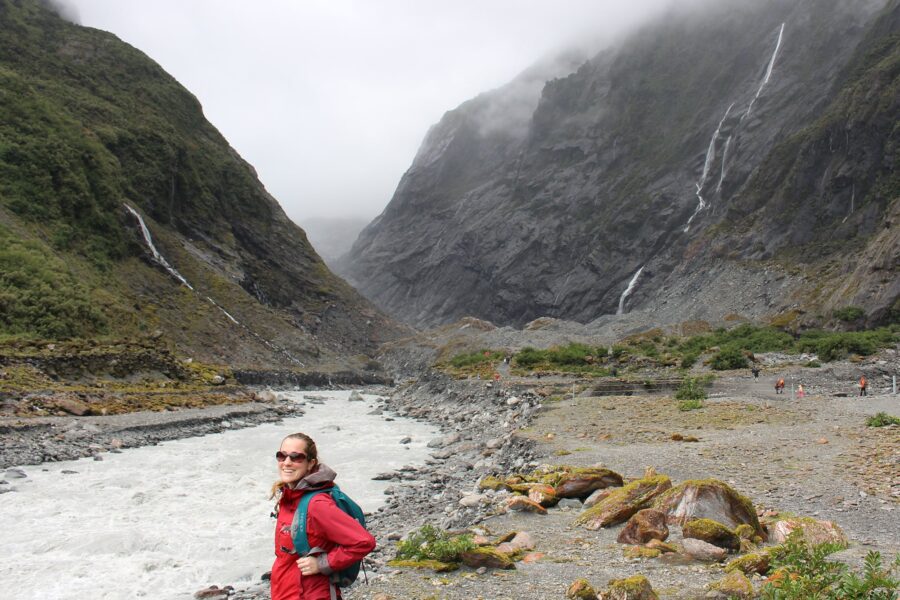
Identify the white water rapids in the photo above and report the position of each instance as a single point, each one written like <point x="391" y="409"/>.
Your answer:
<point x="165" y="521"/>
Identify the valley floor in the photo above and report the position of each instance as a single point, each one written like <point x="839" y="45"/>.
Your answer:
<point x="812" y="456"/>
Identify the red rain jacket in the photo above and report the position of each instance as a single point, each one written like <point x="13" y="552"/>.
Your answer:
<point x="344" y="540"/>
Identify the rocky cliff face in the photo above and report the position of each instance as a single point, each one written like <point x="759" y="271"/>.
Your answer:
<point x="725" y="152"/>
<point x="95" y="138"/>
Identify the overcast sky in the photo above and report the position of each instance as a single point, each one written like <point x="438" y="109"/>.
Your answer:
<point x="330" y="99"/>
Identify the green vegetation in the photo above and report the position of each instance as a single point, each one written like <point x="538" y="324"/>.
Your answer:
<point x="576" y="358"/>
<point x="803" y="572"/>
<point x="429" y="543"/>
<point x="692" y="390"/>
<point x="849" y="313"/>
<point x="470" y="359"/>
<point x="882" y="419"/>
<point x="729" y="358"/>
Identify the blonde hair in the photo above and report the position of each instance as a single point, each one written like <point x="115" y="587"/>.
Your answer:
<point x="311" y="454"/>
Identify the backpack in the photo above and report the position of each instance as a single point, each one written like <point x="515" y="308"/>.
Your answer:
<point x="344" y="577"/>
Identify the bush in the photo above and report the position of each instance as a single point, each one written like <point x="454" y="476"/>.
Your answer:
<point x="470" y="359"/>
<point x="691" y="389"/>
<point x="802" y="572"/>
<point x="687" y="405"/>
<point x="429" y="543"/>
<point x="529" y="357"/>
<point x="729" y="358"/>
<point x="849" y="313"/>
<point x="881" y="420"/>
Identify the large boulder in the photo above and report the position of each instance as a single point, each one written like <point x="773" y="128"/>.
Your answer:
<point x="490" y="558"/>
<point x="523" y="504"/>
<point x="544" y="495"/>
<point x="633" y="588"/>
<point x="712" y="532"/>
<point x="748" y="564"/>
<point x="812" y="531"/>
<point x="708" y="499"/>
<point x="624" y="502"/>
<point x="581" y="483"/>
<point x="643" y="526"/>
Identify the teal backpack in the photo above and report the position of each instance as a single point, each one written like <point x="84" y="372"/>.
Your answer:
<point x="346" y="576"/>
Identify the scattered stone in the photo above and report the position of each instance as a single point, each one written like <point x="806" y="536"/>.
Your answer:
<point x="700" y="550"/>
<point x="735" y="585"/>
<point x="521" y="503"/>
<point x="15" y="473"/>
<point x="713" y="532"/>
<point x="581" y="589"/>
<point x="569" y="503"/>
<point x="434" y="565"/>
<point x="355" y="396"/>
<point x="633" y="588"/>
<point x="640" y="552"/>
<point x="663" y="546"/>
<point x="214" y="592"/>
<point x="217" y="380"/>
<point x="487" y="557"/>
<point x="580" y="483"/>
<point x="544" y="495"/>
<point x="755" y="562"/>
<point x="406" y="440"/>
<point x="643" y="526"/>
<point x="597" y="496"/>
<point x="813" y="531"/>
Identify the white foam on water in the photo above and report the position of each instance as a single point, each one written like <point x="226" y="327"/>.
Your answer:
<point x="165" y="521"/>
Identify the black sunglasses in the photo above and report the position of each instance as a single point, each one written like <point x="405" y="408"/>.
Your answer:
<point x="294" y="456"/>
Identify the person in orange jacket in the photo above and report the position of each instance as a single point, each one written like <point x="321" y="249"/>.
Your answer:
<point x="342" y="538"/>
<point x="779" y="386"/>
<point x="863" y="386"/>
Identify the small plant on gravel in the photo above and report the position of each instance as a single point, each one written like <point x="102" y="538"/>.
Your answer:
<point x="800" y="571"/>
<point x="686" y="405"/>
<point x="882" y="419"/>
<point x="692" y="388"/>
<point x="430" y="543"/>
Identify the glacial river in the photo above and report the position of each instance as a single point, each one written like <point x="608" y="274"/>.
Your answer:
<point x="165" y="521"/>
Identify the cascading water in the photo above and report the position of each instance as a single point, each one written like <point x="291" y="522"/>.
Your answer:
<point x="156" y="255"/>
<point x="160" y="259"/>
<point x="707" y="164"/>
<point x="724" y="159"/>
<point x="631" y="285"/>
<point x="768" y="72"/>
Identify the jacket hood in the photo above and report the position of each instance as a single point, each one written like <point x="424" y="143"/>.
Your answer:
<point x="323" y="476"/>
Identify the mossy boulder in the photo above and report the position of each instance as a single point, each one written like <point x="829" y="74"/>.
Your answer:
<point x="708" y="499"/>
<point x="492" y="483"/>
<point x="663" y="547"/>
<point x="640" y="552"/>
<point x="735" y="585"/>
<point x="544" y="495"/>
<point x="813" y="531"/>
<point x="434" y="565"/>
<point x="581" y="589"/>
<point x="755" y="562"/>
<point x="745" y="532"/>
<point x="713" y="532"/>
<point x="643" y="526"/>
<point x="581" y="483"/>
<point x="624" y="502"/>
<point x="636" y="587"/>
<point x="523" y="504"/>
<point x="487" y="557"/>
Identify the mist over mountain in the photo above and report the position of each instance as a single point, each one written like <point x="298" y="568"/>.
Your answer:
<point x="125" y="214"/>
<point x="729" y="158"/>
<point x="332" y="237"/>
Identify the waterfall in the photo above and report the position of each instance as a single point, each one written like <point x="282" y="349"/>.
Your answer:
<point x="768" y="72"/>
<point x="631" y="285"/>
<point x="156" y="255"/>
<point x="724" y="158"/>
<point x="707" y="164"/>
<point x="162" y="261"/>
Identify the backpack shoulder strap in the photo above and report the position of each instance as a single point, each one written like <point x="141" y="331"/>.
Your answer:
<point x="298" y="525"/>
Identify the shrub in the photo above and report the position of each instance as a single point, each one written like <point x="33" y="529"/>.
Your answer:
<point x="429" y="543"/>
<point x="691" y="389"/>
<point x="529" y="357"/>
<point x="686" y="405"/>
<point x="801" y="572"/>
<point x="849" y="313"/>
<point x="470" y="359"/>
<point x="729" y="358"/>
<point x="882" y="419"/>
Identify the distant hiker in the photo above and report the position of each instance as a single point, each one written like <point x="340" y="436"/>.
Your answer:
<point x="863" y="386"/>
<point x="755" y="370"/>
<point x="338" y="540"/>
<point x="779" y="386"/>
<point x="800" y="392"/>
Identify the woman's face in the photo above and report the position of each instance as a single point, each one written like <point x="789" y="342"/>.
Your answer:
<point x="291" y="471"/>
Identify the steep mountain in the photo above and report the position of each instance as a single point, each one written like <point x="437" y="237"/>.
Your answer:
<point x="730" y="157"/>
<point x="124" y="213"/>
